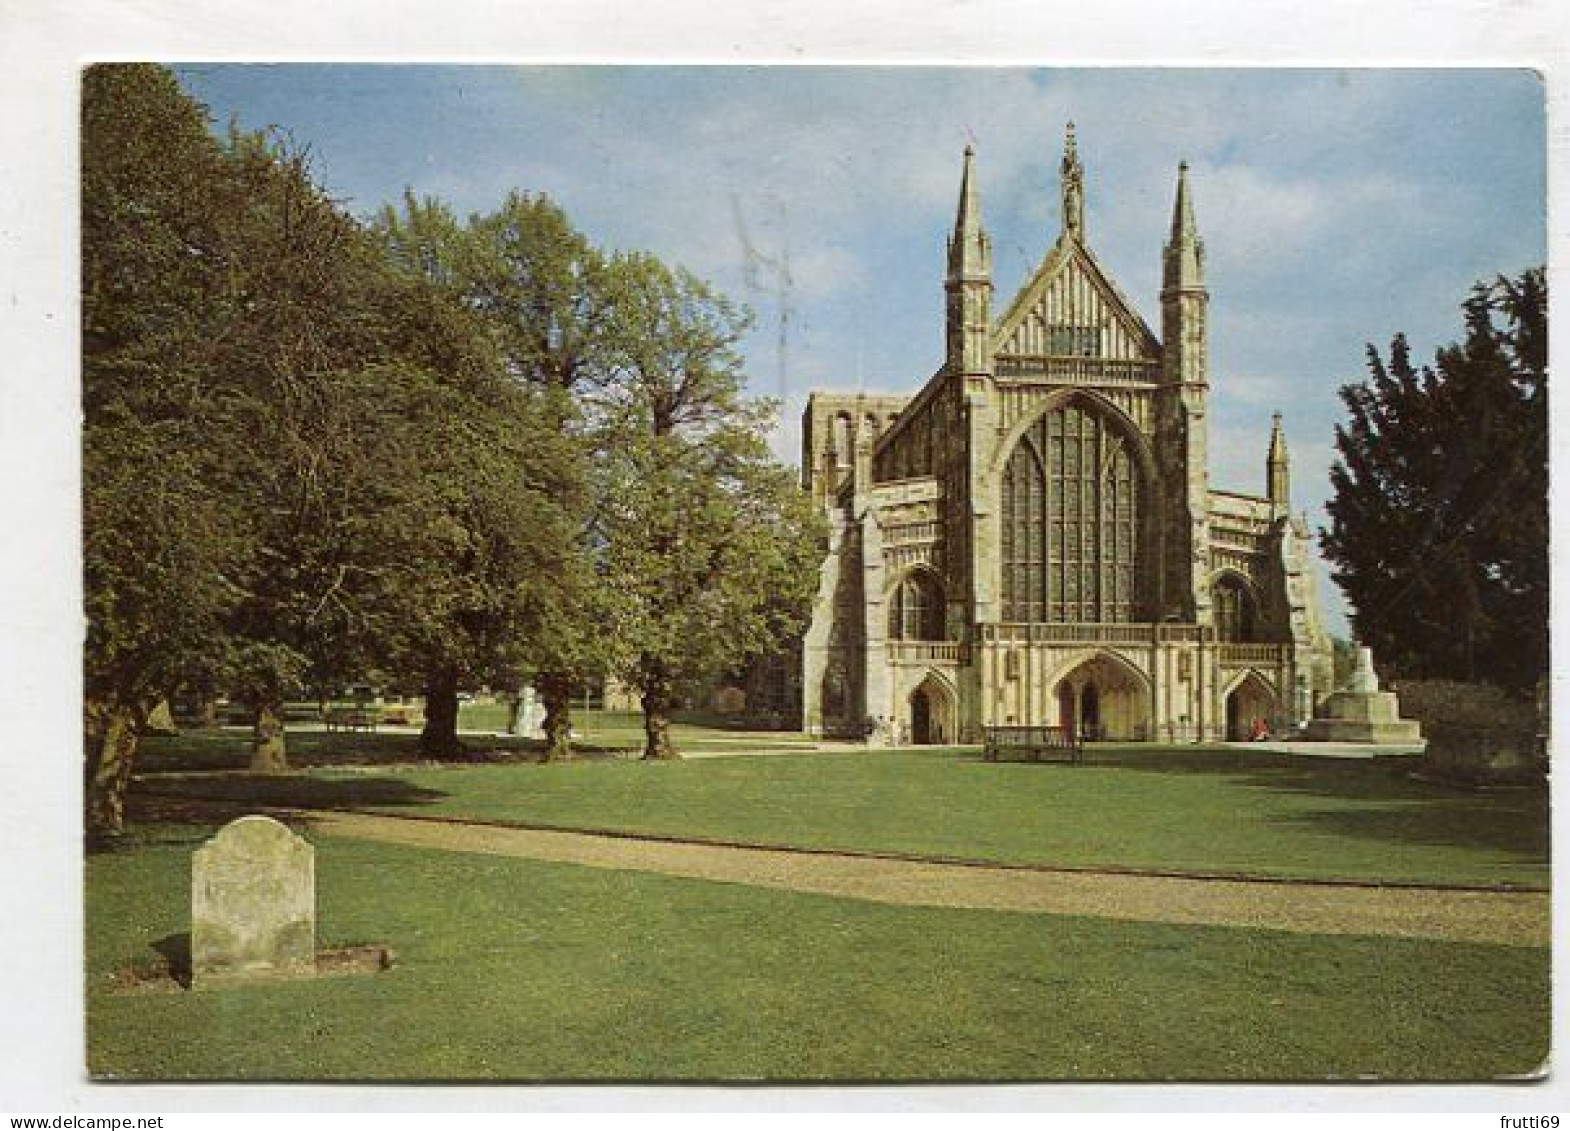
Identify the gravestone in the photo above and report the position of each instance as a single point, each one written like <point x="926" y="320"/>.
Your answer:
<point x="253" y="903"/>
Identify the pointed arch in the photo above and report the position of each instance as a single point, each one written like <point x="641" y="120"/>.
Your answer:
<point x="1139" y="445"/>
<point x="932" y="710"/>
<point x="915" y="601"/>
<point x="1077" y="497"/>
<point x="1088" y="656"/>
<point x="1235" y="606"/>
<point x="1250" y="706"/>
<point x="1266" y="684"/>
<point x="1101" y="695"/>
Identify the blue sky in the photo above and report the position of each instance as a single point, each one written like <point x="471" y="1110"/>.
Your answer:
<point x="1338" y="206"/>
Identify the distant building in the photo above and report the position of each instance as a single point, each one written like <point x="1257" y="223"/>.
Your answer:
<point x="1032" y="537"/>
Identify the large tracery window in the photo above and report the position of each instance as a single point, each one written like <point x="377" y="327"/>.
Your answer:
<point x="916" y="612"/>
<point x="1071" y="515"/>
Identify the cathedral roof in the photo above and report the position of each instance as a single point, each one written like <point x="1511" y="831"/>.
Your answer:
<point x="1072" y="288"/>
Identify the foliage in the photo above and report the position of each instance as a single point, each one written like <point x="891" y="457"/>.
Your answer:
<point x="532" y="286"/>
<point x="1476" y="731"/>
<point x="1343" y="661"/>
<point x="1439" y="521"/>
<point x="301" y="462"/>
<point x="695" y="547"/>
<point x="711" y="547"/>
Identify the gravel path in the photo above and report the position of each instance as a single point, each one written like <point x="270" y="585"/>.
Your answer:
<point x="1511" y="918"/>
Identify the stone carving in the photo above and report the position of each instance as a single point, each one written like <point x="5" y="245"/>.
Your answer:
<point x="253" y="903"/>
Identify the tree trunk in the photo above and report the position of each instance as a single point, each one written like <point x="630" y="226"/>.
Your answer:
<point x="556" y="693"/>
<point x="657" y="700"/>
<point x="269" y="752"/>
<point x="439" y="739"/>
<point x="111" y="748"/>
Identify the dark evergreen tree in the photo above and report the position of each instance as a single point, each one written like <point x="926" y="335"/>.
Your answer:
<point x="1439" y="519"/>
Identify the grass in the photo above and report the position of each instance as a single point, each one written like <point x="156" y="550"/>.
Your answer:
<point x="512" y="969"/>
<point x="600" y="733"/>
<point x="1218" y="811"/>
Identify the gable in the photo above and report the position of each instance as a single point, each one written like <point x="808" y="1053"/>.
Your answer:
<point x="1071" y="308"/>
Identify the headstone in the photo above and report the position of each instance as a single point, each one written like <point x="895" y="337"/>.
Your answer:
<point x="253" y="903"/>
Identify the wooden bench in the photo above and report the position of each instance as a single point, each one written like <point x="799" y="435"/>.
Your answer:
<point x="352" y="718"/>
<point x="1054" y="743"/>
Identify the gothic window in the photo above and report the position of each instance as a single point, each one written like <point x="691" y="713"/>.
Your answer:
<point x="1233" y="609"/>
<point x="1074" y="341"/>
<point x="916" y="613"/>
<point x="841" y="440"/>
<point x="1071" y="515"/>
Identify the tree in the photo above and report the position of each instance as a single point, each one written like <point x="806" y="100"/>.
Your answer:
<point x="710" y="546"/>
<point x="299" y="461"/>
<point x="537" y="286"/>
<point x="1439" y="518"/>
<point x="163" y="563"/>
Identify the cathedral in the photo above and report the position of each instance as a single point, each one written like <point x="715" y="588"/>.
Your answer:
<point x="1032" y="537"/>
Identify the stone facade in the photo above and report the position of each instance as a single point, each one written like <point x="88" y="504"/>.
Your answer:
<point x="1032" y="537"/>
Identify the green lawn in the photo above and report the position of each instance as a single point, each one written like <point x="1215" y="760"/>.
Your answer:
<point x="600" y="734"/>
<point x="1217" y="811"/>
<point x="512" y="969"/>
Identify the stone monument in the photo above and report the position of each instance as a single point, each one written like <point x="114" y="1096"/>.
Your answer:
<point x="253" y="903"/>
<point x="1362" y="712"/>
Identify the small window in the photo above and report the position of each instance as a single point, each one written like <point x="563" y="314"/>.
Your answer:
<point x="1074" y="341"/>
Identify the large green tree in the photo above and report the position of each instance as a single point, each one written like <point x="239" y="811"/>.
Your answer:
<point x="538" y="288"/>
<point x="300" y="462"/>
<point x="164" y="560"/>
<point x="710" y="546"/>
<point x="1439" y="519"/>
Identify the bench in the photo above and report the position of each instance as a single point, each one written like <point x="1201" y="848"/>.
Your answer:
<point x="1053" y="743"/>
<point x="351" y="718"/>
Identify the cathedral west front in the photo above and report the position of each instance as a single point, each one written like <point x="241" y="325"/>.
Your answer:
<point x="1032" y="537"/>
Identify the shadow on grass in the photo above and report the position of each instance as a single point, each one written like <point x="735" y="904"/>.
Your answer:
<point x="204" y="800"/>
<point x="1373" y="800"/>
<point x="175" y="950"/>
<point x="231" y="749"/>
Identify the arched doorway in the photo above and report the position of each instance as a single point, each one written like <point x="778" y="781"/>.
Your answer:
<point x="920" y="718"/>
<point x="1251" y="706"/>
<point x="932" y="713"/>
<point x="1105" y="697"/>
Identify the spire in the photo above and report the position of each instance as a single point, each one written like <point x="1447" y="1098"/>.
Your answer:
<point x="1277" y="483"/>
<point x="970" y="251"/>
<point x="1185" y="253"/>
<point x="1073" y="188"/>
<point x="969" y="284"/>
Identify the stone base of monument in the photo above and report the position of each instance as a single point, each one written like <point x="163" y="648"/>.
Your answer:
<point x="1362" y="717"/>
